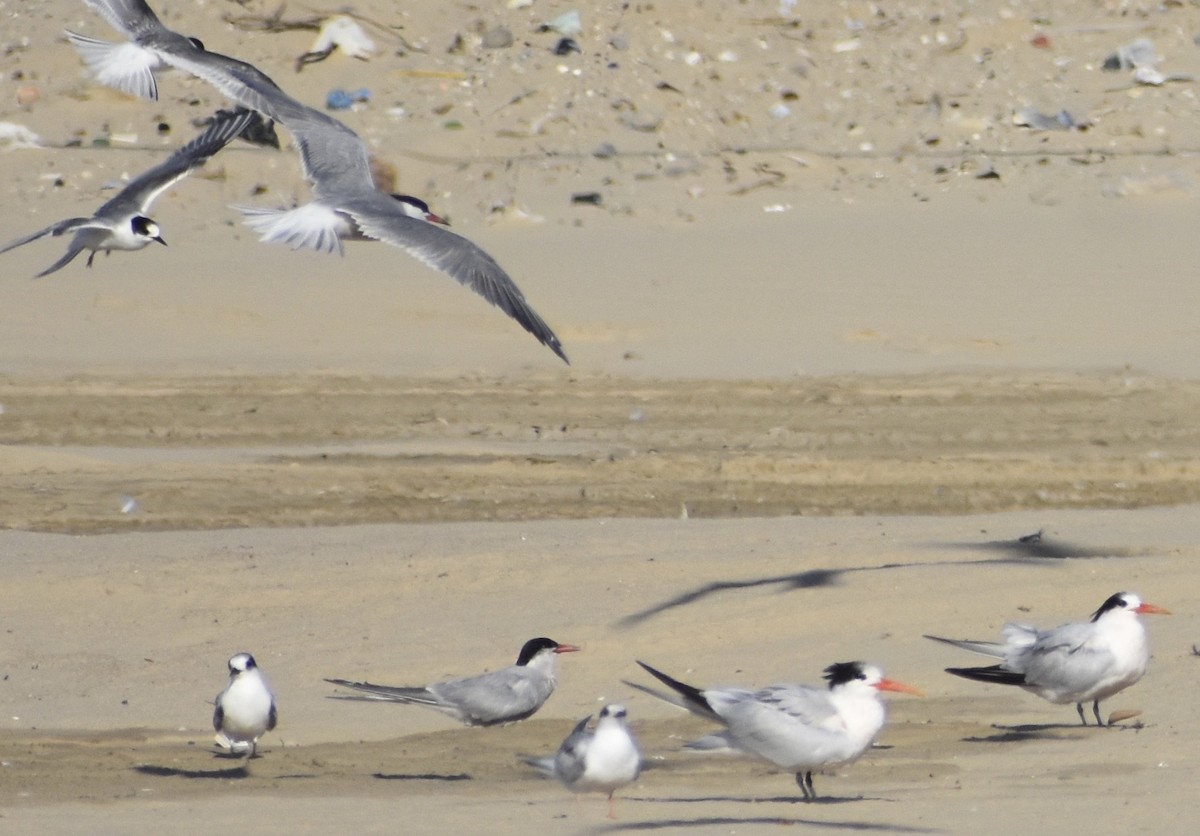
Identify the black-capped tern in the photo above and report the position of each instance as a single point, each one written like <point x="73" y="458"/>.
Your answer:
<point x="1083" y="661"/>
<point x="602" y="759"/>
<point x="800" y="728"/>
<point x="245" y="710"/>
<point x="337" y="164"/>
<point x="490" y="699"/>
<point x="121" y="223"/>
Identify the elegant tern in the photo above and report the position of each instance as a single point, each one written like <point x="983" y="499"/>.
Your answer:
<point x="1084" y="661"/>
<point x="800" y="728"/>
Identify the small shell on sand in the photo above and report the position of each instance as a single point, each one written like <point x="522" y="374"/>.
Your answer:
<point x="28" y="94"/>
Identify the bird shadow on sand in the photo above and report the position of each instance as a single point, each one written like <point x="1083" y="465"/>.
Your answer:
<point x="174" y="772"/>
<point x="1041" y="731"/>
<point x="734" y="821"/>
<point x="1030" y="550"/>
<point x="821" y="800"/>
<point x="420" y="776"/>
<point x="1040" y="546"/>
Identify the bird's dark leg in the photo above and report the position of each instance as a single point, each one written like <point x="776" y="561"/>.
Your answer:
<point x="1096" y="711"/>
<point x="90" y="258"/>
<point x="804" y="781"/>
<point x="1079" y="708"/>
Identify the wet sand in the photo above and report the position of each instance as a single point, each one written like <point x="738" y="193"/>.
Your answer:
<point x="827" y="370"/>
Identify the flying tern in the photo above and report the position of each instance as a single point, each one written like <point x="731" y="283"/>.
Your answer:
<point x="490" y="699"/>
<point x="121" y="223"/>
<point x="1084" y="661"/>
<point x="245" y="710"/>
<point x="800" y="728"/>
<point x="602" y="759"/>
<point x="335" y="161"/>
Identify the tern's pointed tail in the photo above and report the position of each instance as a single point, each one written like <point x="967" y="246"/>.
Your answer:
<point x="993" y="649"/>
<point x="693" y="698"/>
<point x="993" y="673"/>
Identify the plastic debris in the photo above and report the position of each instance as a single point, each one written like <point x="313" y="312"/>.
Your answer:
<point x="1153" y="77"/>
<point x="339" y="99"/>
<point x="587" y="198"/>
<point x="14" y="136"/>
<point x="129" y="505"/>
<point x="1035" y="120"/>
<point x="344" y="33"/>
<point x="566" y="46"/>
<point x="338" y="32"/>
<point x="568" y="25"/>
<point x="1140" y="53"/>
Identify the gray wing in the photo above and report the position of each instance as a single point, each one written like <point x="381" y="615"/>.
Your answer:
<point x="571" y="760"/>
<point x="130" y="17"/>
<point x="810" y="705"/>
<point x="385" y="693"/>
<point x="144" y="189"/>
<point x="379" y="217"/>
<point x="241" y="82"/>
<point x="334" y="158"/>
<point x="68" y="225"/>
<point x="994" y="649"/>
<point x="504" y="696"/>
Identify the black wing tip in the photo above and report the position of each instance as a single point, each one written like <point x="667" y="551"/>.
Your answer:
<point x="689" y="692"/>
<point x="554" y="345"/>
<point x="992" y="673"/>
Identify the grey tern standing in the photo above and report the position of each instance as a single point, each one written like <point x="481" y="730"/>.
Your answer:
<point x="490" y="699"/>
<point x="336" y="163"/>
<point x="800" y="728"/>
<point x="121" y="223"/>
<point x="1083" y="661"/>
<point x="245" y="710"/>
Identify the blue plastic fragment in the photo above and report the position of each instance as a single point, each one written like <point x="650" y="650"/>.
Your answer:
<point x="339" y="99"/>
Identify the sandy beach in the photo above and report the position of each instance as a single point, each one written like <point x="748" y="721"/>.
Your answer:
<point x="843" y="329"/>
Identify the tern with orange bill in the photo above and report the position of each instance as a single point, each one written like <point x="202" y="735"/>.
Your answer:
<point x="1083" y="661"/>
<point x="800" y="728"/>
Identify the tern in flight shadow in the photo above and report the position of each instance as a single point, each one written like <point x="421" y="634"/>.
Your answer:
<point x="1029" y="550"/>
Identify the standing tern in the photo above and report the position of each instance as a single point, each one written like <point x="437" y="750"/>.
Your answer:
<point x="1084" y="661"/>
<point x="490" y="699"/>
<point x="800" y="728"/>
<point x="245" y="709"/>
<point x="121" y="223"/>
<point x="336" y="162"/>
<point x="602" y="759"/>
